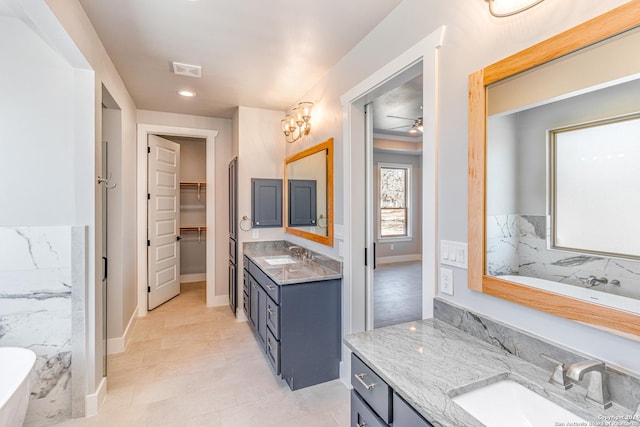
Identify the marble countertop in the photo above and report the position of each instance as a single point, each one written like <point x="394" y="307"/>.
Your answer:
<point x="429" y="362"/>
<point x="318" y="268"/>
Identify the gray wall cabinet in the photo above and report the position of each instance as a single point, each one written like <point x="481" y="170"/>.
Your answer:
<point x="378" y="405"/>
<point x="302" y="202"/>
<point x="297" y="326"/>
<point x="266" y="202"/>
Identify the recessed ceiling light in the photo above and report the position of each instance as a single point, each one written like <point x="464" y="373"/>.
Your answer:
<point x="187" y="93"/>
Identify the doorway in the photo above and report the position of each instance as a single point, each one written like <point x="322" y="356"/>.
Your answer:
<point x="111" y="193"/>
<point x="393" y="144"/>
<point x="356" y="297"/>
<point x="205" y="207"/>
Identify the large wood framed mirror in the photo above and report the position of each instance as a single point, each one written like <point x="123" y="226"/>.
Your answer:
<point x="308" y="183"/>
<point x="578" y="85"/>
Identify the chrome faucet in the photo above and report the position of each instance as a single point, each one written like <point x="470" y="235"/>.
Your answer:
<point x="559" y="375"/>
<point x="597" y="390"/>
<point x="594" y="281"/>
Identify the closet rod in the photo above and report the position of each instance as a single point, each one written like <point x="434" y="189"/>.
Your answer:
<point x="200" y="230"/>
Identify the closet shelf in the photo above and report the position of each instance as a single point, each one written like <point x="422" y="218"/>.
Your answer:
<point x="193" y="184"/>
<point x="194" y="228"/>
<point x="199" y="229"/>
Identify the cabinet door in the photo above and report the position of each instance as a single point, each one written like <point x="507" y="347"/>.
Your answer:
<point x="262" y="314"/>
<point x="233" y="287"/>
<point x="266" y="202"/>
<point x="302" y="202"/>
<point x="362" y="415"/>
<point x="254" y="298"/>
<point x="405" y="416"/>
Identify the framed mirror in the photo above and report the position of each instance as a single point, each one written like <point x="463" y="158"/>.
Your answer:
<point x="548" y="171"/>
<point x="308" y="182"/>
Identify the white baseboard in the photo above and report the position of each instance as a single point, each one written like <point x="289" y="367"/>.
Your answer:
<point x="94" y="401"/>
<point x="190" y="278"/>
<point x="219" y="301"/>
<point x="398" y="258"/>
<point x="119" y="344"/>
<point x="240" y="316"/>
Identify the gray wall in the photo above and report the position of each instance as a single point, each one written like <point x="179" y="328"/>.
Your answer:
<point x="517" y="162"/>
<point x="473" y="39"/>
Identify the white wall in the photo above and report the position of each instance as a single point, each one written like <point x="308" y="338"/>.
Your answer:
<point x="36" y="130"/>
<point x="222" y="158"/>
<point x="261" y="153"/>
<point x="88" y="160"/>
<point x="473" y="39"/>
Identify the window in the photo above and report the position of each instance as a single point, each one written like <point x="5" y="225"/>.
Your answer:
<point x="394" y="200"/>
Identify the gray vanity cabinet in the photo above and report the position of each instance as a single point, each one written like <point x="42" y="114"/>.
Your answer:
<point x="374" y="403"/>
<point x="297" y="326"/>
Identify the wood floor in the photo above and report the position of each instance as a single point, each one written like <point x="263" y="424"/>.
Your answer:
<point x="397" y="293"/>
<point x="189" y="365"/>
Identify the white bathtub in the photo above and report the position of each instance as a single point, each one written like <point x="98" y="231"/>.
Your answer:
<point x="15" y="367"/>
<point x="578" y="292"/>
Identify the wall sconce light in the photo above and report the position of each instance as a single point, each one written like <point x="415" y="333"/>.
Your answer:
<point x="504" y="8"/>
<point x="298" y="124"/>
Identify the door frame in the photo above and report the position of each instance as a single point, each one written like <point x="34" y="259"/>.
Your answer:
<point x="353" y="290"/>
<point x="144" y="130"/>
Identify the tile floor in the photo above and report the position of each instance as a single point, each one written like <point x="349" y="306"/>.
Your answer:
<point x="397" y="293"/>
<point x="189" y="365"/>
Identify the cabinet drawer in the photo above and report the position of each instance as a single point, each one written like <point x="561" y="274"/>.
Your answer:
<point x="371" y="388"/>
<point x="273" y="351"/>
<point x="362" y="415"/>
<point x="273" y="318"/>
<point x="245" y="281"/>
<point x="405" y="416"/>
<point x="267" y="284"/>
<point x="245" y="304"/>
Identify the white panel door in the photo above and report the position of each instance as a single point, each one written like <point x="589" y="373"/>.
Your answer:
<point x="163" y="220"/>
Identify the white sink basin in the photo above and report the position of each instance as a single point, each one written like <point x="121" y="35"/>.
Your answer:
<point x="506" y="404"/>
<point x="280" y="260"/>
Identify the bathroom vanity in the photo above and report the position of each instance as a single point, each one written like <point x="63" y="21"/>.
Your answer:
<point x="291" y="297"/>
<point x="416" y="374"/>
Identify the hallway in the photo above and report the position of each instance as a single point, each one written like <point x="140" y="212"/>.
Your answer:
<point x="190" y="365"/>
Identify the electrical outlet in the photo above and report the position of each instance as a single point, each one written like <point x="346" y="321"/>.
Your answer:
<point x="446" y="281"/>
<point x="255" y="233"/>
<point x="392" y="247"/>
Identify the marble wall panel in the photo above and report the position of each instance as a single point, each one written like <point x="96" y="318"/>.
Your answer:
<point x="36" y="312"/>
<point x="517" y="244"/>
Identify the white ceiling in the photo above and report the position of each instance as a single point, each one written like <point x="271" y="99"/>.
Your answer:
<point x="255" y="53"/>
<point x="402" y="101"/>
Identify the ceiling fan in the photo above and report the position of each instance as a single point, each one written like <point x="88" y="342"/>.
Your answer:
<point x="415" y="127"/>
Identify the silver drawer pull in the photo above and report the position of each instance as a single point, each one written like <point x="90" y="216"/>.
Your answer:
<point x="361" y="425"/>
<point x="270" y="311"/>
<point x="271" y="287"/>
<point x="360" y="377"/>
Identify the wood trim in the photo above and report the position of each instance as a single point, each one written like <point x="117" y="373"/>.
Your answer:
<point x="607" y="318"/>
<point x="609" y="24"/>
<point x="328" y="239"/>
<point x="477" y="166"/>
<point x="610" y="319"/>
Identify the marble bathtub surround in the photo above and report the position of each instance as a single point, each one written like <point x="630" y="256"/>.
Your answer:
<point x="517" y="245"/>
<point x="37" y="284"/>
<point x="314" y="267"/>
<point x="429" y="362"/>
<point x="624" y="388"/>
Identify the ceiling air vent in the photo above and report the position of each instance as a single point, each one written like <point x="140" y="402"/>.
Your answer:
<point x="187" y="70"/>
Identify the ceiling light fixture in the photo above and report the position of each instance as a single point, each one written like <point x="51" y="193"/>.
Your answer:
<point x="298" y="123"/>
<point x="186" y="93"/>
<point x="417" y="126"/>
<point x="504" y="8"/>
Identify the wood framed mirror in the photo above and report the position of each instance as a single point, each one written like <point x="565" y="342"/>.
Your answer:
<point x="497" y="81"/>
<point x="308" y="193"/>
